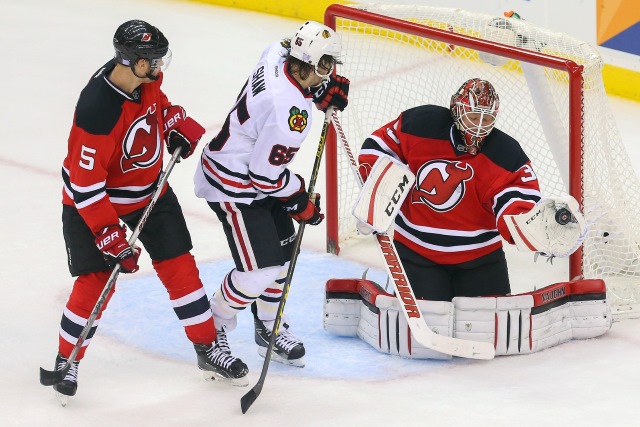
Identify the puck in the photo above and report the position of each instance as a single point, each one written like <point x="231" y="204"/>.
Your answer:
<point x="563" y="216"/>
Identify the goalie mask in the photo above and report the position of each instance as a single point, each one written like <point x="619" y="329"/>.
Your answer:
<point x="316" y="44"/>
<point x="474" y="108"/>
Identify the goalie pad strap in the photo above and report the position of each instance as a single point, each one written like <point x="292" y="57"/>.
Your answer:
<point x="518" y="324"/>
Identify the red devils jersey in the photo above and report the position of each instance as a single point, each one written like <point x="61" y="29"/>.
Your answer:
<point x="115" y="149"/>
<point x="453" y="214"/>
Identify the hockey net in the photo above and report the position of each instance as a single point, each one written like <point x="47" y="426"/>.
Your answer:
<point x="552" y="101"/>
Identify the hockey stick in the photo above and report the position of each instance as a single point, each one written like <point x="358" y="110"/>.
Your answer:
<point x="247" y="400"/>
<point x="403" y="291"/>
<point x="49" y="378"/>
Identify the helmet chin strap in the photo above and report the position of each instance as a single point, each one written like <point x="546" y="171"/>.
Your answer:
<point x="146" y="76"/>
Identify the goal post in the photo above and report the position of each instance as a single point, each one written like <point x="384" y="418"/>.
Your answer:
<point x="552" y="101"/>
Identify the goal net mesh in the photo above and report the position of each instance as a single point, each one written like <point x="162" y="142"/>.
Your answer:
<point x="392" y="69"/>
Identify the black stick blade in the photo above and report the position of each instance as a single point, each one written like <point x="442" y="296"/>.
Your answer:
<point x="49" y="378"/>
<point x="247" y="400"/>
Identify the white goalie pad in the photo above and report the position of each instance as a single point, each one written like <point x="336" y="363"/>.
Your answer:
<point x="386" y="187"/>
<point x="555" y="226"/>
<point x="359" y="307"/>
<point x="531" y="322"/>
<point x="518" y="324"/>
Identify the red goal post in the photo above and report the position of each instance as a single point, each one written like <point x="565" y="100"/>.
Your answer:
<point x="552" y="101"/>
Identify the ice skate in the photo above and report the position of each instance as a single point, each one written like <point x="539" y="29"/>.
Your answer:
<point x="218" y="364"/>
<point x="288" y="349"/>
<point x="69" y="384"/>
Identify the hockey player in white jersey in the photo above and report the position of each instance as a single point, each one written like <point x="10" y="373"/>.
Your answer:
<point x="244" y="178"/>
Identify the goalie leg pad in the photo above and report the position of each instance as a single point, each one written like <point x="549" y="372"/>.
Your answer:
<point x="531" y="322"/>
<point x="503" y="321"/>
<point x="569" y="310"/>
<point x="518" y="324"/>
<point x="341" y="309"/>
<point x="358" y="307"/>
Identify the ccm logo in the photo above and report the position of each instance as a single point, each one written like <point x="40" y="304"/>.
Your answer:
<point x="396" y="196"/>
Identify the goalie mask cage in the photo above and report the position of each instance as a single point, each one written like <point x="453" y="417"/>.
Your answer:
<point x="552" y="101"/>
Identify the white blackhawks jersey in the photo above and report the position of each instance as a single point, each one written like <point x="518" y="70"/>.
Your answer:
<point x="248" y="158"/>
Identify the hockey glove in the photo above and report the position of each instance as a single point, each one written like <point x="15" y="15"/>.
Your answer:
<point x="114" y="247"/>
<point x="332" y="92"/>
<point x="302" y="208"/>
<point x="181" y="131"/>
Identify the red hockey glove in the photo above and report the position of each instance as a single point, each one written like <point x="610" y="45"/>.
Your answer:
<point x="115" y="248"/>
<point x="181" y="131"/>
<point x="302" y="208"/>
<point x="332" y="92"/>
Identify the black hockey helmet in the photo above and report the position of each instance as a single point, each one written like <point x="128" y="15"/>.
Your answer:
<point x="137" y="39"/>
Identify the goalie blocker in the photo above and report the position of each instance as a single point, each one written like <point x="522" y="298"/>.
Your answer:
<point x="518" y="324"/>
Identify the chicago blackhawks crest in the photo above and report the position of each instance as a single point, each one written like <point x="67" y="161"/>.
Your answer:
<point x="297" y="119"/>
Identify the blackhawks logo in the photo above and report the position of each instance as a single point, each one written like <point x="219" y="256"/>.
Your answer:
<point x="297" y="119"/>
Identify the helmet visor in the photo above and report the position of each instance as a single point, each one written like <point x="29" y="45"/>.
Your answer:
<point x="161" y="63"/>
<point x="325" y="66"/>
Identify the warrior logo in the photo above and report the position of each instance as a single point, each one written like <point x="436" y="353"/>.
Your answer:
<point x="440" y="184"/>
<point x="297" y="119"/>
<point x="142" y="146"/>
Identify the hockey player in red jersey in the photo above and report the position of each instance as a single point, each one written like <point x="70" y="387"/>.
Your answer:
<point x="469" y="175"/>
<point x="112" y="167"/>
<point x="243" y="176"/>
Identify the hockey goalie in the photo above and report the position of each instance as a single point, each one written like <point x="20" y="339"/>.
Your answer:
<point x="453" y="187"/>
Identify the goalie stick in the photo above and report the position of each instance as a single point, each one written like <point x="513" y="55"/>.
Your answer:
<point x="247" y="400"/>
<point x="403" y="291"/>
<point x="50" y="378"/>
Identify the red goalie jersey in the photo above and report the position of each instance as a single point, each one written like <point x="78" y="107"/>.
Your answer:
<point x="115" y="149"/>
<point x="454" y="212"/>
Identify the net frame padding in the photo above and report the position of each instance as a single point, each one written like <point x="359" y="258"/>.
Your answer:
<point x="553" y="102"/>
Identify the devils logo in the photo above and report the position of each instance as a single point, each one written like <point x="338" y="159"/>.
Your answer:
<point x="142" y="146"/>
<point x="440" y="184"/>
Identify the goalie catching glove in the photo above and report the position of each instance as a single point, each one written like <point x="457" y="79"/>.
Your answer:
<point x="333" y="91"/>
<point x="116" y="250"/>
<point x="181" y="131"/>
<point x="554" y="227"/>
<point x="301" y="207"/>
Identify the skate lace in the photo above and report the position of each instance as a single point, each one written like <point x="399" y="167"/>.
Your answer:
<point x="221" y="340"/>
<point x="72" y="374"/>
<point x="219" y="357"/>
<point x="286" y="340"/>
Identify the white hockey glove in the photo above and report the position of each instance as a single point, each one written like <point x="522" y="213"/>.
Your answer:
<point x="379" y="201"/>
<point x="554" y="227"/>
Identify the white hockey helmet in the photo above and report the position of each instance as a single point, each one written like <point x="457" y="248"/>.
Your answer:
<point x="312" y="41"/>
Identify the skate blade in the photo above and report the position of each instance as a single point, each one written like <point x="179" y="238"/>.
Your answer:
<point x="62" y="398"/>
<point x="236" y="382"/>
<point x="298" y="363"/>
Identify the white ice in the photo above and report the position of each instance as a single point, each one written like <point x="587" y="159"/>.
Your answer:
<point x="140" y="369"/>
